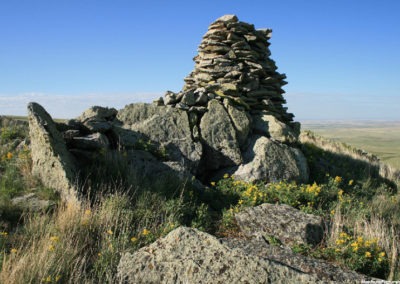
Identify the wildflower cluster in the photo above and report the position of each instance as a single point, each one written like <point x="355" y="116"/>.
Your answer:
<point x="304" y="197"/>
<point x="357" y="253"/>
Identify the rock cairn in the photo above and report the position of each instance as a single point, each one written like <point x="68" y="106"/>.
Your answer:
<point x="234" y="63"/>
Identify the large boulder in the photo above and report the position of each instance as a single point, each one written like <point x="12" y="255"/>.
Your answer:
<point x="219" y="137"/>
<point x="267" y="160"/>
<point x="187" y="255"/>
<point x="51" y="161"/>
<point x="291" y="226"/>
<point x="169" y="127"/>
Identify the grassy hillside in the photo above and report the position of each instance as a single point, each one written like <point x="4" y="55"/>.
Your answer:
<point x="379" y="138"/>
<point x="82" y="243"/>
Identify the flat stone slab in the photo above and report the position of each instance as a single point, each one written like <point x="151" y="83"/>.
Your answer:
<point x="291" y="226"/>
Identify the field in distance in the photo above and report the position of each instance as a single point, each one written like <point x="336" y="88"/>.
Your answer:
<point x="379" y="138"/>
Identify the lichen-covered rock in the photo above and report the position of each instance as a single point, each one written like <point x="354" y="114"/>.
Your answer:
<point x="291" y="226"/>
<point x="270" y="126"/>
<point x="98" y="113"/>
<point x="187" y="255"/>
<point x="241" y="121"/>
<point x="167" y="126"/>
<point x="266" y="160"/>
<point x="31" y="202"/>
<point x="325" y="272"/>
<point x="51" y="161"/>
<point x="219" y="136"/>
<point x="97" y="119"/>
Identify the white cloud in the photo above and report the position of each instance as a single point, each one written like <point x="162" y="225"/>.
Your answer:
<point x="68" y="106"/>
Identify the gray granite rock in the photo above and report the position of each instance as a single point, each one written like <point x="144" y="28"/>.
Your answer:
<point x="187" y="255"/>
<point x="51" y="161"/>
<point x="291" y="226"/>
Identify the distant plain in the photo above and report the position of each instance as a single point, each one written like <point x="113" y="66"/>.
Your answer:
<point x="381" y="138"/>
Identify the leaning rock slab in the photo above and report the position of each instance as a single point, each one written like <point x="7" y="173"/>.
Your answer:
<point x="266" y="160"/>
<point x="51" y="161"/>
<point x="187" y="255"/>
<point x="291" y="226"/>
<point x="219" y="137"/>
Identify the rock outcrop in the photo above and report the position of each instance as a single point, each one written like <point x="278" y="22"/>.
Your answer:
<point x="51" y="161"/>
<point x="187" y="255"/>
<point x="229" y="118"/>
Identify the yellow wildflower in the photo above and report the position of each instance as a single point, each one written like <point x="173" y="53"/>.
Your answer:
<point x="240" y="202"/>
<point x="145" y="232"/>
<point x="50" y="248"/>
<point x="87" y="212"/>
<point x="360" y="240"/>
<point x="382" y="254"/>
<point x="99" y="254"/>
<point x="58" y="277"/>
<point x="9" y="155"/>
<point x="338" y="179"/>
<point x="340" y="195"/>
<point x="380" y="259"/>
<point x="3" y="234"/>
<point x="351" y="182"/>
<point x="368" y="254"/>
<point x="212" y="183"/>
<point x="226" y="175"/>
<point x="110" y="232"/>
<point x="340" y="241"/>
<point x="54" y="239"/>
<point x="13" y="250"/>
<point x="133" y="239"/>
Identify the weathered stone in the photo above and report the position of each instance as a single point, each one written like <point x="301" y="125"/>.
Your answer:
<point x="144" y="164"/>
<point x="291" y="226"/>
<point x="95" y="141"/>
<point x="269" y="161"/>
<point x="51" y="161"/>
<point x="189" y="256"/>
<point x="270" y="126"/>
<point x="169" y="127"/>
<point x="241" y="121"/>
<point x="30" y="202"/>
<point x="219" y="137"/>
<point x="170" y="98"/>
<point x="324" y="271"/>
<point x="97" y="125"/>
<point x="189" y="99"/>
<point x="97" y="112"/>
<point x="159" y="101"/>
<point x="227" y="19"/>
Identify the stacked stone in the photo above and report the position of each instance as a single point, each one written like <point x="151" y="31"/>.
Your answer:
<point x="233" y="63"/>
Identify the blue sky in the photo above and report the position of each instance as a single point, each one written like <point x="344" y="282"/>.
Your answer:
<point x="342" y="57"/>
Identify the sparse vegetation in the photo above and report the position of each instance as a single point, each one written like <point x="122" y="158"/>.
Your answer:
<point x="84" y="241"/>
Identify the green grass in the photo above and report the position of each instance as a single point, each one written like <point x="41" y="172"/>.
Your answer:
<point x="379" y="138"/>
